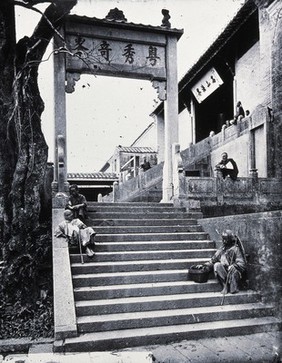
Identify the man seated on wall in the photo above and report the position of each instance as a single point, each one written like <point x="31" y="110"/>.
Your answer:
<point x="227" y="167"/>
<point x="240" y="113"/>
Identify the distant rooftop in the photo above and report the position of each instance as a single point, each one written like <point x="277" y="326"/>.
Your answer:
<point x="91" y="176"/>
<point x="136" y="149"/>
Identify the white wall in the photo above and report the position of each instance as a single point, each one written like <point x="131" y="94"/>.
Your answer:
<point x="238" y="150"/>
<point x="185" y="129"/>
<point x="260" y="151"/>
<point x="247" y="72"/>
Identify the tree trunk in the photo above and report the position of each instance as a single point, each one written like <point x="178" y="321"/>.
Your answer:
<point x="23" y="149"/>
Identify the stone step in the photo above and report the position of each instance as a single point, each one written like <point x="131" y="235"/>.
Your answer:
<point x="162" y="302"/>
<point x="146" y="229"/>
<point x="141" y="222"/>
<point x="121" y="339"/>
<point x="143" y="255"/>
<point x="135" y="277"/>
<point x="136" y="289"/>
<point x="158" y="208"/>
<point x="149" y="215"/>
<point x="144" y="319"/>
<point x="132" y="237"/>
<point x="129" y="204"/>
<point x="148" y="289"/>
<point x="138" y="265"/>
<point x="152" y="245"/>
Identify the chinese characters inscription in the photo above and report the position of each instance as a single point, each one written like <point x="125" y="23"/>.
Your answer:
<point x="129" y="52"/>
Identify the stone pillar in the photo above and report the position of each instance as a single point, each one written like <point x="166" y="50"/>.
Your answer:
<point x="223" y="128"/>
<point x="160" y="137"/>
<point x="177" y="169"/>
<point x="115" y="191"/>
<point x="60" y="157"/>
<point x="171" y="116"/>
<point x="234" y="94"/>
<point x="252" y="155"/>
<point x="193" y="122"/>
<point x="277" y="95"/>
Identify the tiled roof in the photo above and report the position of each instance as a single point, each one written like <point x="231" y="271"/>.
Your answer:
<point x="95" y="175"/>
<point x="135" y="149"/>
<point x="240" y="18"/>
<point x="125" y="25"/>
<point x="229" y="31"/>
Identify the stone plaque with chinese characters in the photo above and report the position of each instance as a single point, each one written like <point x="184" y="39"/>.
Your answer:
<point x="110" y="56"/>
<point x="110" y="48"/>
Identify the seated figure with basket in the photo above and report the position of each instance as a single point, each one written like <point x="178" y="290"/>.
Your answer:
<point x="228" y="264"/>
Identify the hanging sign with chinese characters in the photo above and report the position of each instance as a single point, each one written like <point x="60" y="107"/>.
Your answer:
<point x="207" y="85"/>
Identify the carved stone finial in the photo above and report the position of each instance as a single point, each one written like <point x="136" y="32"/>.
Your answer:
<point x="165" y="21"/>
<point x="116" y="15"/>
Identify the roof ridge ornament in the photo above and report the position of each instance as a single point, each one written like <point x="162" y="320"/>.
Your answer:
<point x="116" y="15"/>
<point x="165" y="21"/>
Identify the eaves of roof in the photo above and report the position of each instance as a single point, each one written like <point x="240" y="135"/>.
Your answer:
<point x="91" y="176"/>
<point x="230" y="30"/>
<point x="125" y="25"/>
<point x="135" y="149"/>
<point x="240" y="18"/>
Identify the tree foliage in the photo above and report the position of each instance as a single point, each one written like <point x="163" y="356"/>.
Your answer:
<point x="25" y="237"/>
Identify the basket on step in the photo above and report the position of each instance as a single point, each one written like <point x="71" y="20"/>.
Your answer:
<point x="198" y="274"/>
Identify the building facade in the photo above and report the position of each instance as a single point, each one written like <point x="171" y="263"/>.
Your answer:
<point x="238" y="66"/>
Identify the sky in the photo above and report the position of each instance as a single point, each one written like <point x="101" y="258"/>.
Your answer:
<point x="104" y="112"/>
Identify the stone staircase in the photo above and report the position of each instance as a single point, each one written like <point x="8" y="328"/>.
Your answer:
<point x="135" y="291"/>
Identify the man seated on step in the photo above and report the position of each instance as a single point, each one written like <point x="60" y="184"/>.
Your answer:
<point x="76" y="232"/>
<point x="77" y="203"/>
<point x="229" y="263"/>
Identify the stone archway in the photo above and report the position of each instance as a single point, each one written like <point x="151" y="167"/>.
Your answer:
<point x="113" y="47"/>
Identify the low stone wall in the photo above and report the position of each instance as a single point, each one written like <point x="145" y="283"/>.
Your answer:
<point x="232" y="139"/>
<point x="138" y="188"/>
<point x="218" y="196"/>
<point x="261" y="234"/>
<point x="235" y="140"/>
<point x="64" y="307"/>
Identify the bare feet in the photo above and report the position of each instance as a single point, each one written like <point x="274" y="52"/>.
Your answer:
<point x="89" y="252"/>
<point x="224" y="291"/>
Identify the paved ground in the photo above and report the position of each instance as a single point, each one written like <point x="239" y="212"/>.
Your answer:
<point x="255" y="348"/>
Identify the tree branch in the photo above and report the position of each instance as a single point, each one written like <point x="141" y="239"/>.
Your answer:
<point x="31" y="2"/>
<point x="31" y="7"/>
<point x="51" y="20"/>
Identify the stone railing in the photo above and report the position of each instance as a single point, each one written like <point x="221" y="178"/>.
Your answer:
<point x="64" y="308"/>
<point x="134" y="188"/>
<point x="202" y="149"/>
<point x="218" y="196"/>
